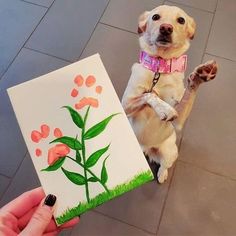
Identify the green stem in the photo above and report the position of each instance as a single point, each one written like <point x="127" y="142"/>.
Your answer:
<point x="83" y="155"/>
<point x="90" y="172"/>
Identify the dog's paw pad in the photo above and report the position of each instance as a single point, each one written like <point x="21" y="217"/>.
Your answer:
<point x="207" y="71"/>
<point x="203" y="73"/>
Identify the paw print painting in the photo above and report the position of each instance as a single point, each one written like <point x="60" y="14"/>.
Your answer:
<point x="89" y="83"/>
<point x="78" y="137"/>
<point x="55" y="152"/>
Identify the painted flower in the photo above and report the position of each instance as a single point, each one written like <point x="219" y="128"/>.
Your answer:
<point x="89" y="82"/>
<point x="56" y="152"/>
<point x="37" y="136"/>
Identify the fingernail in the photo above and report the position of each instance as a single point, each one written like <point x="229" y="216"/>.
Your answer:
<point x="50" y="200"/>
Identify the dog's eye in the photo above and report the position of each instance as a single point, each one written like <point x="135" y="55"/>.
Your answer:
<point x="181" y="20"/>
<point x="156" y="17"/>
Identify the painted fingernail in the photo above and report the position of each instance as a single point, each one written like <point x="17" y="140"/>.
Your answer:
<point x="50" y="200"/>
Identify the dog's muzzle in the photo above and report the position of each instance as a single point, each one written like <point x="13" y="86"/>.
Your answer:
<point x="164" y="36"/>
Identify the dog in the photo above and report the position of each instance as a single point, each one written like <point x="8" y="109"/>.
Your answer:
<point x="155" y="100"/>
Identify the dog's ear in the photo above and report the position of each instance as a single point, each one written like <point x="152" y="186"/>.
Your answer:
<point x="191" y="27"/>
<point x="142" y="22"/>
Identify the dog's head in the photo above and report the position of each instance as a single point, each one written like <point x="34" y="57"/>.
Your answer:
<point x="165" y="31"/>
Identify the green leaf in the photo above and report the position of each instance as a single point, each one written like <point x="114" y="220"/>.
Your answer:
<point x="78" y="156"/>
<point x="104" y="176"/>
<point x="69" y="141"/>
<point x="74" y="177"/>
<point x="93" y="159"/>
<point x="93" y="179"/>
<point x="98" y="128"/>
<point x="77" y="119"/>
<point x="57" y="164"/>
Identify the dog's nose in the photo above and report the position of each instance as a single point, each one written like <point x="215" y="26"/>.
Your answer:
<point x="166" y="29"/>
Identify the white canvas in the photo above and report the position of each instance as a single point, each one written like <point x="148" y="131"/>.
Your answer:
<point x="38" y="105"/>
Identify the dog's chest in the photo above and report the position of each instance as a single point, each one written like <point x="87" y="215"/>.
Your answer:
<point x="167" y="86"/>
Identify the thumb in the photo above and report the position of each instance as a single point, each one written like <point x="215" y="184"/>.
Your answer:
<point x="41" y="217"/>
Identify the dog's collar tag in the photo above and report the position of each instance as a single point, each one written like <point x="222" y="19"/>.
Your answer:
<point x="160" y="65"/>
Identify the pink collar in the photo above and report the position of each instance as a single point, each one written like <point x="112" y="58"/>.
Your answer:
<point x="158" y="64"/>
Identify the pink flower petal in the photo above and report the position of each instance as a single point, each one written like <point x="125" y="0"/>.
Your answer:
<point x="74" y="93"/>
<point x="90" y="81"/>
<point x="57" y="133"/>
<point x="38" y="152"/>
<point x="79" y="80"/>
<point x="93" y="102"/>
<point x="99" y="89"/>
<point x="36" y="136"/>
<point x="54" y="153"/>
<point x="45" y="130"/>
<point x="62" y="149"/>
<point x="52" y="156"/>
<point x="83" y="102"/>
<point x="87" y="101"/>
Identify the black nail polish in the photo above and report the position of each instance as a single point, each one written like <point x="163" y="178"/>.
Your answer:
<point x="50" y="200"/>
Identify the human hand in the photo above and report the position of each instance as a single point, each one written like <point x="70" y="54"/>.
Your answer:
<point x="31" y="214"/>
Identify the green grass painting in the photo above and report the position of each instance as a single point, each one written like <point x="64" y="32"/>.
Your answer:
<point x="59" y="153"/>
<point x="105" y="196"/>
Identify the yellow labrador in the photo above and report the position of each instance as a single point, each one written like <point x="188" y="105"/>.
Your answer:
<point x="155" y="99"/>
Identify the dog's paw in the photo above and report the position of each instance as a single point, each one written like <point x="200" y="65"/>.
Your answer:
<point x="162" y="175"/>
<point x="203" y="73"/>
<point x="168" y="114"/>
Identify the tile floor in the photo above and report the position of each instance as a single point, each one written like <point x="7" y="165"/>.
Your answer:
<point x="39" y="36"/>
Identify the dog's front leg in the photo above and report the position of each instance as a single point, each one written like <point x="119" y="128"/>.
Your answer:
<point x="202" y="73"/>
<point x="163" y="109"/>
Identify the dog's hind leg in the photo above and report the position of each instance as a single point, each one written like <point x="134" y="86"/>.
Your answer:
<point x="168" y="154"/>
<point x="202" y="73"/>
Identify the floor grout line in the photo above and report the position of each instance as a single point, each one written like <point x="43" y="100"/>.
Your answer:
<point x="185" y="5"/>
<point x="33" y="3"/>
<point x="94" y="30"/>
<point x="206" y="170"/>
<point x="25" y="42"/>
<point x="225" y="58"/>
<point x="6" y="176"/>
<point x="171" y="180"/>
<point x="217" y="1"/>
<point x="123" y="222"/>
<point x="165" y="201"/>
<point x="13" y="176"/>
<point x="208" y="36"/>
<point x="116" y="27"/>
<point x="38" y="51"/>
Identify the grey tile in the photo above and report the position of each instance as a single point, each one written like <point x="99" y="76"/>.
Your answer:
<point x="209" y="5"/>
<point x="67" y="27"/>
<point x="199" y="203"/>
<point x="66" y="232"/>
<point x="27" y="65"/>
<point x="24" y="180"/>
<point x="12" y="145"/>
<point x="118" y="50"/>
<point x="4" y="181"/>
<point x="198" y="44"/>
<point x="94" y="224"/>
<point x="223" y="36"/>
<point x="140" y="207"/>
<point x="209" y="138"/>
<point x="124" y="14"/>
<point x="45" y="3"/>
<point x="17" y="21"/>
